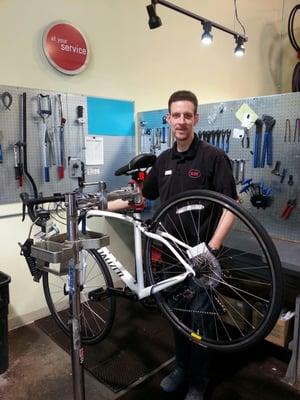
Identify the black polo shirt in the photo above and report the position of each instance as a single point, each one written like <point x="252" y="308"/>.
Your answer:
<point x="202" y="166"/>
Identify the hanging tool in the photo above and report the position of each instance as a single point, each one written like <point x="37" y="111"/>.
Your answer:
<point x="242" y="171"/>
<point x="6" y="99"/>
<point x="287" y="131"/>
<point x="207" y="136"/>
<point x="236" y="167"/>
<point x="163" y="134"/>
<point x="246" y="139"/>
<point x="18" y="162"/>
<point x="213" y="137"/>
<point x="218" y="135"/>
<point x="291" y="180"/>
<point x="44" y="111"/>
<point x="257" y="143"/>
<point x="52" y="147"/>
<point x="228" y="133"/>
<point x="290" y="205"/>
<point x="246" y="185"/>
<point x="269" y="122"/>
<point x="223" y="134"/>
<point x="276" y="169"/>
<point x="61" y="140"/>
<point x="283" y="175"/>
<point x="81" y="121"/>
<point x="297" y="130"/>
<point x="261" y="195"/>
<point x="158" y="138"/>
<point x="239" y="170"/>
<point x="169" y="137"/>
<point x="24" y="141"/>
<point x="164" y="130"/>
<point x="1" y="151"/>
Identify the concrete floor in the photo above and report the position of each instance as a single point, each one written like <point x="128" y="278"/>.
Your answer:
<point x="41" y="370"/>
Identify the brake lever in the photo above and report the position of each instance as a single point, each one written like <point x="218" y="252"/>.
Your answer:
<point x="24" y="197"/>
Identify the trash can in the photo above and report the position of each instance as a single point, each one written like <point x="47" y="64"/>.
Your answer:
<point x="4" y="301"/>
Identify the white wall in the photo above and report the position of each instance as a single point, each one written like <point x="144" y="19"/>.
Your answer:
<point x="129" y="61"/>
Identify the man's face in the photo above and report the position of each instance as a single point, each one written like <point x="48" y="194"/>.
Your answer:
<point x="182" y="119"/>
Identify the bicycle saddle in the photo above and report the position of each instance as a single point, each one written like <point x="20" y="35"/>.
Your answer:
<point x="140" y="161"/>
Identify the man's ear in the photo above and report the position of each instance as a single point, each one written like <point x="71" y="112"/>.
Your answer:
<point x="196" y="119"/>
<point x="168" y="116"/>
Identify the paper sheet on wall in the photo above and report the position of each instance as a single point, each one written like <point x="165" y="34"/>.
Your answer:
<point x="94" y="150"/>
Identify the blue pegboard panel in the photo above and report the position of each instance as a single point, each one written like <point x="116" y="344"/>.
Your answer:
<point x="221" y="116"/>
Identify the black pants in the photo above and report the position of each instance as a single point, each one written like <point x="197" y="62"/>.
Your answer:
<point x="193" y="359"/>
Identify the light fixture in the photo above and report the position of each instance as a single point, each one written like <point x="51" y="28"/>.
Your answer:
<point x="154" y="20"/>
<point x="239" y="50"/>
<point x="206" y="37"/>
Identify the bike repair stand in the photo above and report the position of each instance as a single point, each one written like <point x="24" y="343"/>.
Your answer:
<point x="74" y="300"/>
<point x="65" y="253"/>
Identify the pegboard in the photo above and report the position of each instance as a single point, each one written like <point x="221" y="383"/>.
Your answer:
<point x="221" y="116"/>
<point x="118" y="150"/>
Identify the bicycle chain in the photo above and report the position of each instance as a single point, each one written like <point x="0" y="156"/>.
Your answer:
<point x="207" y="312"/>
<point x="198" y="312"/>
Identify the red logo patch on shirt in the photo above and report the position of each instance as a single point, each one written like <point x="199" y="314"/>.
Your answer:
<point x="194" y="173"/>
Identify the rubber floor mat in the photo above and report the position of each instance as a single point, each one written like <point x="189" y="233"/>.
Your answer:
<point x="139" y="342"/>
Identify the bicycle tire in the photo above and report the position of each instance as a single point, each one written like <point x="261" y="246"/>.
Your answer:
<point x="97" y="308"/>
<point x="245" y="285"/>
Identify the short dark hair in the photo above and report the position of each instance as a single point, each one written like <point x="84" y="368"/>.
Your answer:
<point x="183" y="95"/>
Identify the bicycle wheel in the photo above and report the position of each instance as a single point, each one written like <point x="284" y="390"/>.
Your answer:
<point x="97" y="307"/>
<point x="234" y="299"/>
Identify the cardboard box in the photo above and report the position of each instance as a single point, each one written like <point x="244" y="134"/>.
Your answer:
<point x="282" y="332"/>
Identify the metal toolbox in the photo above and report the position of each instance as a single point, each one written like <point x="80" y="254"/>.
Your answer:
<point x="58" y="250"/>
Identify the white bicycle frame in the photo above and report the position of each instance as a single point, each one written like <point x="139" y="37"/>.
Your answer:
<point x="136" y="284"/>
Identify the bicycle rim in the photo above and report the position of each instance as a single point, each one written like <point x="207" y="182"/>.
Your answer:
<point x="97" y="308"/>
<point x="234" y="299"/>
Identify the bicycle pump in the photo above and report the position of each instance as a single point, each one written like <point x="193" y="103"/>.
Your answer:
<point x="74" y="300"/>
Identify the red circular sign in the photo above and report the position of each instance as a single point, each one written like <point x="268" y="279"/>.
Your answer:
<point x="66" y="48"/>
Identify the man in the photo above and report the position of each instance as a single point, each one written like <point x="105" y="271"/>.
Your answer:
<point x="170" y="175"/>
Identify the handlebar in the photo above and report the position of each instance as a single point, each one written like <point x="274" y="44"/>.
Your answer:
<point x="132" y="193"/>
<point x="41" y="200"/>
<point x="31" y="204"/>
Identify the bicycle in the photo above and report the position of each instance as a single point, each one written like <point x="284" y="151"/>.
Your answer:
<point x="225" y="302"/>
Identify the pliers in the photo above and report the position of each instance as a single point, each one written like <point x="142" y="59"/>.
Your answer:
<point x="246" y="139"/>
<point x="267" y="143"/>
<point x="290" y="205"/>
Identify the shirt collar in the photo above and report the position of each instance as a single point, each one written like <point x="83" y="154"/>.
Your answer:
<point x="188" y="154"/>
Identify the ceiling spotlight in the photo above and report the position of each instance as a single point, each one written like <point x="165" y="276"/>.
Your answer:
<point x="154" y="20"/>
<point x="239" y="51"/>
<point x="206" y="37"/>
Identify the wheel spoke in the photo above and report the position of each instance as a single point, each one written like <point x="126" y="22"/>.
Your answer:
<point x="97" y="314"/>
<point x="219" y="302"/>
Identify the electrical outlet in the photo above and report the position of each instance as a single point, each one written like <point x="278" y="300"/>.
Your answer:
<point x="75" y="168"/>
